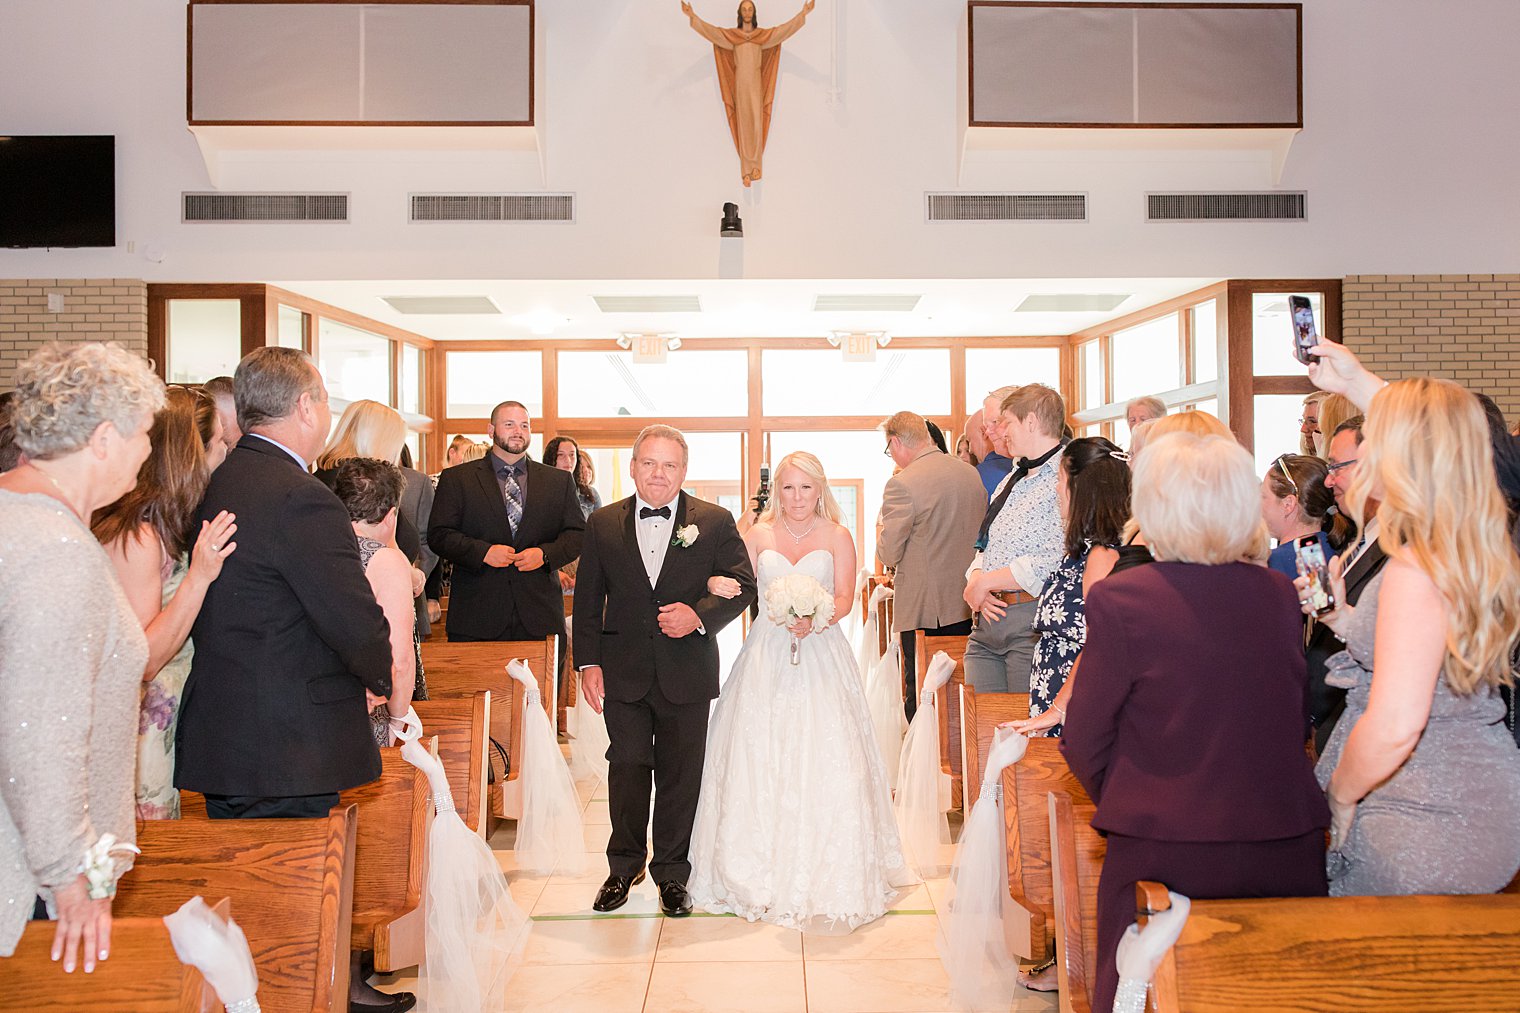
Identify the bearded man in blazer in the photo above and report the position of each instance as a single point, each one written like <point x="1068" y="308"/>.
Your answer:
<point x="508" y="524"/>
<point x="646" y="630"/>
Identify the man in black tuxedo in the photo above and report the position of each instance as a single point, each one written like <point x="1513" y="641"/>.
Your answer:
<point x="274" y="718"/>
<point x="507" y="524"/>
<point x="1361" y="561"/>
<point x="645" y="642"/>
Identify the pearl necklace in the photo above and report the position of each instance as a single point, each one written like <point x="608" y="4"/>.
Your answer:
<point x="795" y="536"/>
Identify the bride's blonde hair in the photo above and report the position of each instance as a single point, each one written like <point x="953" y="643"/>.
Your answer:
<point x="1427" y="454"/>
<point x="827" y="506"/>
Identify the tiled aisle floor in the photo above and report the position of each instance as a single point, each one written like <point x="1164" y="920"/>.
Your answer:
<point x="636" y="960"/>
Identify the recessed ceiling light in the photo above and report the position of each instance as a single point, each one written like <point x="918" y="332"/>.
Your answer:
<point x="439" y="305"/>
<point x="1070" y="302"/>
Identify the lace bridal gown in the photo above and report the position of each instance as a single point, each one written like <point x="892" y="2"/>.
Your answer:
<point x="795" y="823"/>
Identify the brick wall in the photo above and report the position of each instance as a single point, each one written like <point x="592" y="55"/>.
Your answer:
<point x="96" y="309"/>
<point x="1465" y="327"/>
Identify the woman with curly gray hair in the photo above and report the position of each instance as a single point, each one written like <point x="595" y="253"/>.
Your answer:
<point x="71" y="649"/>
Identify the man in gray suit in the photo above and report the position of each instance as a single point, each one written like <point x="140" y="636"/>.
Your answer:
<point x="930" y="513"/>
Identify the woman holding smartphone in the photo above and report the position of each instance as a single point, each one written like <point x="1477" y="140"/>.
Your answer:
<point x="1422" y="777"/>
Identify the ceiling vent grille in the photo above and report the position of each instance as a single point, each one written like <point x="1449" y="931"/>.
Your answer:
<point x="1006" y="207"/>
<point x="1270" y="206"/>
<point x="493" y="207"/>
<point x="865" y="303"/>
<point x="266" y="207"/>
<point x="648" y="303"/>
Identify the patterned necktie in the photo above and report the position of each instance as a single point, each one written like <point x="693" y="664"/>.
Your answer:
<point x="514" y="497"/>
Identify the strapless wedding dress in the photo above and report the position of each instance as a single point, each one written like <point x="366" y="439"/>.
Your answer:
<point x="795" y="823"/>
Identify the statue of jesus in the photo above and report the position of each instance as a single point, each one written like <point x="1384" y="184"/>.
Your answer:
<point x="747" y="58"/>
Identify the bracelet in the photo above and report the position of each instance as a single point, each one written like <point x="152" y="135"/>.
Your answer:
<point x="248" y="1005"/>
<point x="1059" y="710"/>
<point x="99" y="868"/>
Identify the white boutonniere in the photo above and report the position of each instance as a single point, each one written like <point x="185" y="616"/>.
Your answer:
<point x="685" y="536"/>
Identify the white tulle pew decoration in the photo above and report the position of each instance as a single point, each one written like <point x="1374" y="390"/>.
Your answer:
<point x="588" y="754"/>
<point x="475" y="932"/>
<point x="884" y="700"/>
<point x="549" y="830"/>
<point x="1141" y="952"/>
<point x="972" y="945"/>
<point x="921" y="798"/>
<point x="867" y="653"/>
<point x="219" y="950"/>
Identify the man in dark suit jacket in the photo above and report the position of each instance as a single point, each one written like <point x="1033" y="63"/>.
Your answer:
<point x="646" y="643"/>
<point x="274" y="720"/>
<point x="507" y="524"/>
<point x="1362" y="561"/>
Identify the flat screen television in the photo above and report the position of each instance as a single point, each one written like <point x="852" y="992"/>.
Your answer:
<point x="57" y="191"/>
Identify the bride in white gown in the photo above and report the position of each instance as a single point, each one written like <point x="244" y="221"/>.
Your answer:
<point x="795" y="823"/>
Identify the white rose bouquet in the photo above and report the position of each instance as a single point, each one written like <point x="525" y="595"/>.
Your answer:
<point x="798" y="596"/>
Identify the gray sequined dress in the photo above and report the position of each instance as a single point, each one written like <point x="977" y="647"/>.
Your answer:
<point x="1448" y="820"/>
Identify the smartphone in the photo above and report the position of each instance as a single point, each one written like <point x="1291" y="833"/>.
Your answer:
<point x="1305" y="336"/>
<point x="1312" y="564"/>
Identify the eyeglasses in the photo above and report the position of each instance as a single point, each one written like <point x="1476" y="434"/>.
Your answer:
<point x="1282" y="466"/>
<point x="1335" y="468"/>
<point x="888" y="451"/>
<point x="1305" y="420"/>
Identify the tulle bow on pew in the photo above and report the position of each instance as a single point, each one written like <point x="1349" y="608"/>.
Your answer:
<point x="923" y="792"/>
<point x="972" y="945"/>
<point x="219" y="950"/>
<point x="589" y="755"/>
<point x="884" y="701"/>
<point x="475" y="931"/>
<point x="1141" y="951"/>
<point x="549" y="830"/>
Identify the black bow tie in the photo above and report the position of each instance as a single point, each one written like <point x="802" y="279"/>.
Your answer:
<point x="646" y="512"/>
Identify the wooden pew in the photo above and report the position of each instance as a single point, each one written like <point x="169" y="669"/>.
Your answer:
<point x="291" y="882"/>
<point x="884" y="631"/>
<point x="390" y="862"/>
<point x="952" y="759"/>
<point x="460" y="670"/>
<point x="1025" y="813"/>
<point x="1436" y="954"/>
<point x="142" y="975"/>
<point x="461" y="725"/>
<point x="1076" y="862"/>
<point x="980" y="716"/>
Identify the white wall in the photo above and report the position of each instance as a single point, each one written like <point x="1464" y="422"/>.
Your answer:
<point x="1408" y="155"/>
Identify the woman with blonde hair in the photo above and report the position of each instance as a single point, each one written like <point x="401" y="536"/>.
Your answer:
<point x="165" y="566"/>
<point x="1422" y="776"/>
<point x="1333" y="410"/>
<point x="1187" y="725"/>
<point x="795" y="822"/>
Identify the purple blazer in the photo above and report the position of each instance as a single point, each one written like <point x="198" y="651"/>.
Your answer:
<point x="1190" y="712"/>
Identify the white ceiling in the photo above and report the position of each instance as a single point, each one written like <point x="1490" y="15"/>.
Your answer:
<point x="745" y="308"/>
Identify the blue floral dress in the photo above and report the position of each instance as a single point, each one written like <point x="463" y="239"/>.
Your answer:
<point x="1061" y="621"/>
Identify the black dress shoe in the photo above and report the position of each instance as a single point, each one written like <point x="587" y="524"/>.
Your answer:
<point x="397" y="1002"/>
<point x="674" y="900"/>
<point x="614" y="892"/>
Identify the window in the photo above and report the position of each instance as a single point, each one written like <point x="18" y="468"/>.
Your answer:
<point x="687" y="384"/>
<point x="1146" y="359"/>
<point x="1205" y="342"/>
<point x="479" y="381"/>
<point x="1272" y="333"/>
<point x="807" y="382"/>
<point x="409" y="388"/>
<point x="205" y="339"/>
<point x="356" y="364"/>
<point x="990" y="368"/>
<point x="1277" y="426"/>
<point x="291" y="328"/>
<point x="1092" y="374"/>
